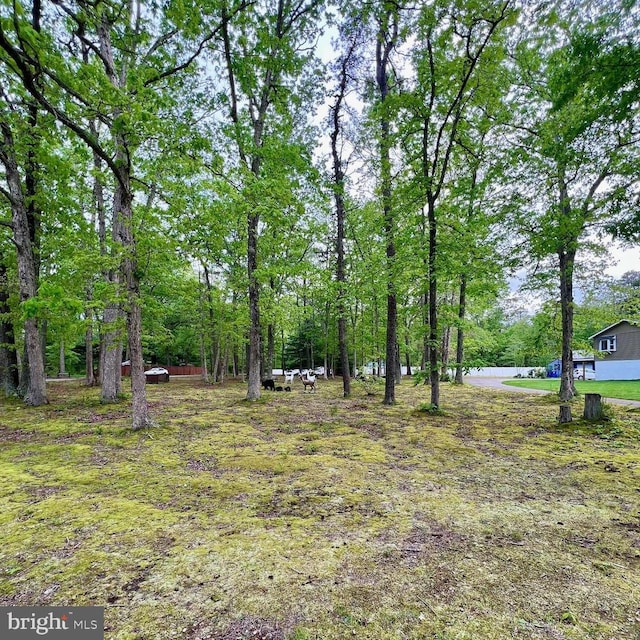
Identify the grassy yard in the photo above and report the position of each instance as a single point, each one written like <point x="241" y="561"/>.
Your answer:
<point x="623" y="389"/>
<point x="308" y="516"/>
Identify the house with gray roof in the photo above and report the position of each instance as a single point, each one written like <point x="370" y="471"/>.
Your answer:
<point x="617" y="349"/>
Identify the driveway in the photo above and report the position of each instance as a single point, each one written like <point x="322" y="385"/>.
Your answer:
<point x="497" y="383"/>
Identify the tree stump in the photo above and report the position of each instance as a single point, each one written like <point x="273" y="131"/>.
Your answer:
<point x="565" y="413"/>
<point x="592" y="406"/>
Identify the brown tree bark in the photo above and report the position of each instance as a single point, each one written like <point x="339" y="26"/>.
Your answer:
<point x="339" y="186"/>
<point x="434" y="365"/>
<point x="566" y="261"/>
<point x="124" y="235"/>
<point x="9" y="373"/>
<point x="387" y="34"/>
<point x="462" y="306"/>
<point x="35" y="392"/>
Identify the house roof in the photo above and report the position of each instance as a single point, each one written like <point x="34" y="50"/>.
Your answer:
<point x="611" y="326"/>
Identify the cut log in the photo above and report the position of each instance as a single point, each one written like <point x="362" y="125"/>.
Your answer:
<point x="592" y="406"/>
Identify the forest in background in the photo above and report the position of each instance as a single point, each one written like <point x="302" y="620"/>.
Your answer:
<point x="218" y="185"/>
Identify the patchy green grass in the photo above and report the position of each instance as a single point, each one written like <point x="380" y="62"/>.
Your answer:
<point x="622" y="389"/>
<point x="310" y="516"/>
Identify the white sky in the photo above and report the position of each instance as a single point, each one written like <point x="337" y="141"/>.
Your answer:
<point x="624" y="260"/>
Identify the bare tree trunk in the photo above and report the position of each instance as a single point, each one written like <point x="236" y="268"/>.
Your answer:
<point x="254" y="352"/>
<point x="338" y="178"/>
<point x="225" y="363"/>
<point x="9" y="372"/>
<point x="407" y="354"/>
<point x="26" y="237"/>
<point x="36" y="391"/>
<point x="215" y="364"/>
<point x="203" y="359"/>
<point x="566" y="260"/>
<point x="387" y="33"/>
<point x="110" y="353"/>
<point x="446" y="342"/>
<point x="565" y="413"/>
<point x="462" y="306"/>
<point x="123" y="211"/>
<point x="236" y="361"/>
<point x="426" y="349"/>
<point x="271" y="351"/>
<point x="62" y="366"/>
<point x="88" y="357"/>
<point x="567" y="386"/>
<point x="434" y="370"/>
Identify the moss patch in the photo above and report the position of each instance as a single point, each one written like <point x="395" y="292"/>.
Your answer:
<point x="314" y="516"/>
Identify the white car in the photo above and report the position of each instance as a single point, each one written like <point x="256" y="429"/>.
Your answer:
<point x="584" y="374"/>
<point x="156" y="371"/>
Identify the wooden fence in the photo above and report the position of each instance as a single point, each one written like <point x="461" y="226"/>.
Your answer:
<point x="174" y="370"/>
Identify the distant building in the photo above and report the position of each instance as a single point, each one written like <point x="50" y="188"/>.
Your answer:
<point x="581" y="361"/>
<point x="618" y="348"/>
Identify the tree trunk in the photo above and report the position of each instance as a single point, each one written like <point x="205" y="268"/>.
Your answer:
<point x="254" y="351"/>
<point x="434" y="371"/>
<point x="462" y="309"/>
<point x="271" y="350"/>
<point x="224" y="365"/>
<point x="123" y="210"/>
<point x="215" y="364"/>
<point x="567" y="387"/>
<point x="446" y="342"/>
<point x="565" y="413"/>
<point x="203" y="358"/>
<point x="110" y="354"/>
<point x="236" y="361"/>
<point x="99" y="221"/>
<point x="388" y="31"/>
<point x="338" y="179"/>
<point x="88" y="355"/>
<point x="9" y="372"/>
<point x="426" y="349"/>
<point x="35" y="392"/>
<point x="566" y="259"/>
<point x="62" y="366"/>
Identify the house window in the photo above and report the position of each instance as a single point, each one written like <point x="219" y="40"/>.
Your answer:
<point x="607" y="343"/>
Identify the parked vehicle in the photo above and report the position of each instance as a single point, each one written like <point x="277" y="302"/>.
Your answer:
<point x="156" y="371"/>
<point x="584" y="374"/>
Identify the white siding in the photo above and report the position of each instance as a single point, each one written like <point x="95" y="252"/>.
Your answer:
<point x="618" y="370"/>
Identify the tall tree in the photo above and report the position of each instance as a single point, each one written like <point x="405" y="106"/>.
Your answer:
<point x="451" y="45"/>
<point x="344" y="67"/>
<point x="386" y="40"/>
<point x="274" y="37"/>
<point x="581" y="143"/>
<point x="136" y="65"/>
<point x="19" y="120"/>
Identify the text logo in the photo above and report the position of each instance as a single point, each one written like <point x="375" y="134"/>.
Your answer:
<point x="51" y="623"/>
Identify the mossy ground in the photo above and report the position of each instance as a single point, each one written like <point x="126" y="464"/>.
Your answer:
<point x="310" y="516"/>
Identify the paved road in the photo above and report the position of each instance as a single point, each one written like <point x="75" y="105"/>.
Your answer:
<point x="497" y="383"/>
